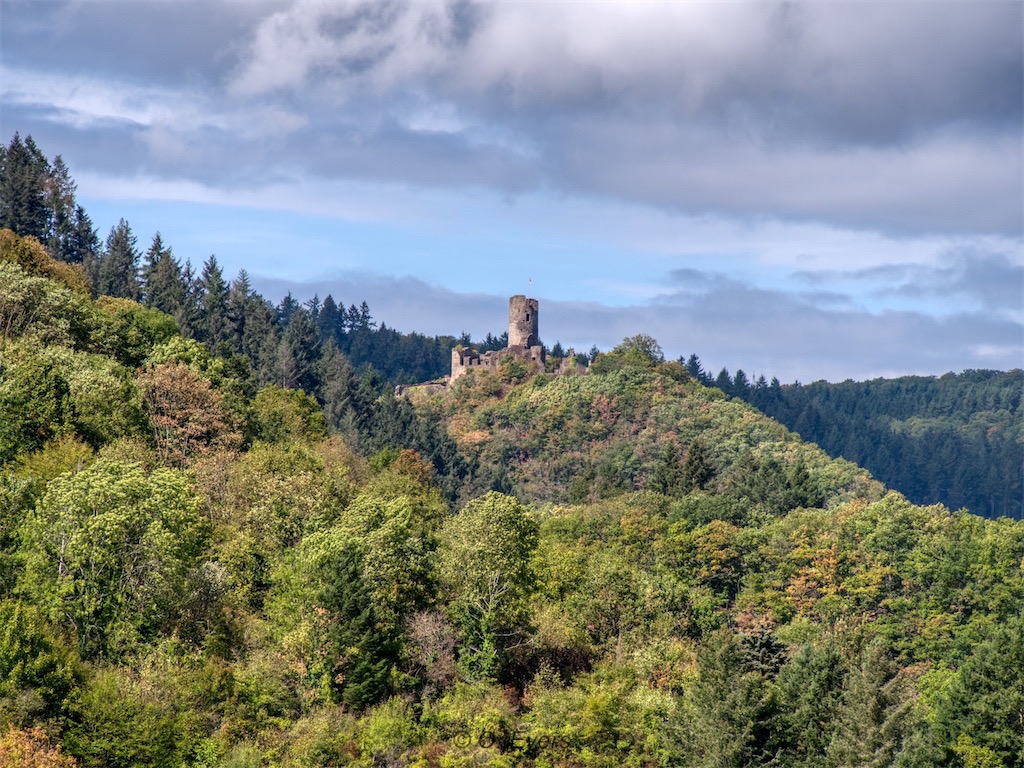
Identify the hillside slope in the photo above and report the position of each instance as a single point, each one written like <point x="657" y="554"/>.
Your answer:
<point x="195" y="573"/>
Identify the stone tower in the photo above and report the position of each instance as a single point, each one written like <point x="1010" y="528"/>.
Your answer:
<point x="522" y="322"/>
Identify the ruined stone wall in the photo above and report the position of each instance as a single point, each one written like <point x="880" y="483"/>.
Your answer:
<point x="523" y="324"/>
<point x="523" y="342"/>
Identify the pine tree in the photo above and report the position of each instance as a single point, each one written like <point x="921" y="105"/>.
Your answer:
<point x="359" y="652"/>
<point x="697" y="472"/>
<point x="163" y="282"/>
<point x="870" y="723"/>
<point x="668" y="472"/>
<point x="213" y="305"/>
<point x="336" y="383"/>
<point x="61" y="209"/>
<point x="84" y="243"/>
<point x="119" y="266"/>
<point x="299" y="353"/>
<point x="23" y="175"/>
<point x="188" y="314"/>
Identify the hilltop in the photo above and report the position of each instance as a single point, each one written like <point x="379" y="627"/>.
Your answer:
<point x="624" y="567"/>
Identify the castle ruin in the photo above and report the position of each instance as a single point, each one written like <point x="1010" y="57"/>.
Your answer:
<point x="523" y="343"/>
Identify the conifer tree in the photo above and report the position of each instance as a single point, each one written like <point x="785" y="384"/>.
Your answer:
<point x="163" y="283"/>
<point x="188" y="314"/>
<point x="870" y="723"/>
<point x="359" y="653"/>
<point x="213" y="305"/>
<point x="119" y="266"/>
<point x="84" y="242"/>
<point x="61" y="209"/>
<point x="23" y="175"/>
<point x="336" y="383"/>
<point x="299" y="353"/>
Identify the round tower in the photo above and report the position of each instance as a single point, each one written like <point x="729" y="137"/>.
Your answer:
<point x="522" y="322"/>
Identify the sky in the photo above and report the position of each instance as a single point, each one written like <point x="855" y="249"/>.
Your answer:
<point x="805" y="190"/>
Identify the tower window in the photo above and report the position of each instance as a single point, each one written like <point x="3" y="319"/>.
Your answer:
<point x="527" y="317"/>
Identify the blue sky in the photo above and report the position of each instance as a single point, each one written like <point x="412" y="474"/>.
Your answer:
<point x="805" y="190"/>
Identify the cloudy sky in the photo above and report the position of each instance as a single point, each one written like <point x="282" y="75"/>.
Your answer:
<point x="807" y="190"/>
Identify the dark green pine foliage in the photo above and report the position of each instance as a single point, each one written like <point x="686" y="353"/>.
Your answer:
<point x="337" y="381"/>
<point x="189" y="316"/>
<point x="873" y="717"/>
<point x="119" y="265"/>
<point x="213" y="306"/>
<point x="298" y="354"/>
<point x="811" y="688"/>
<point x="239" y="296"/>
<point x="697" y="470"/>
<point x="61" y="209"/>
<point x="331" y="321"/>
<point x="360" y="652"/>
<point x="954" y="439"/>
<point x="695" y="369"/>
<point x="668" y="472"/>
<point x="24" y="171"/>
<point x="84" y="244"/>
<point x="163" y="283"/>
<point x="982" y="711"/>
<point x="735" y="708"/>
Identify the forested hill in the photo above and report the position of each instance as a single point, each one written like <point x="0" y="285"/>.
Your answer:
<point x="956" y="439"/>
<point x="624" y="568"/>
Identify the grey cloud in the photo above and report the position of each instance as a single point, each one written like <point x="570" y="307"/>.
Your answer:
<point x="992" y="279"/>
<point x="877" y="116"/>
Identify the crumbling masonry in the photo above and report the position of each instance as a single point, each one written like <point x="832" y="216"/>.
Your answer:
<point x="523" y="344"/>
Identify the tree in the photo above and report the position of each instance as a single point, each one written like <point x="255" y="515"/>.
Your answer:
<point x="735" y="708"/>
<point x="23" y="175"/>
<point x="108" y="551"/>
<point x="119" y="265"/>
<point x="871" y="720"/>
<point x="188" y="415"/>
<point x="484" y="566"/>
<point x="163" y="283"/>
<point x="38" y="673"/>
<point x="31" y="749"/>
<point x="213" y="305"/>
<point x="61" y="209"/>
<point x="694" y="367"/>
<point x="284" y="415"/>
<point x="359" y="652"/>
<point x="298" y="354"/>
<point x="985" y="700"/>
<point x="83" y="245"/>
<point x="35" y="401"/>
<point x="336" y="383"/>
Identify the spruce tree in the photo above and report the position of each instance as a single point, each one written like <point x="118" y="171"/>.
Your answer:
<point x="213" y="305"/>
<point x="84" y="243"/>
<point x="336" y="383"/>
<point x="163" y="282"/>
<point x="119" y="266"/>
<point x="24" y="171"/>
<point x="61" y="209"/>
<point x="359" y="652"/>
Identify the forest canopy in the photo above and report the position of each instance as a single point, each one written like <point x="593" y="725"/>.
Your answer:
<point x="223" y="542"/>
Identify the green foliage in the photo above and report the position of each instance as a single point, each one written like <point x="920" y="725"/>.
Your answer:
<point x="284" y="415"/>
<point x="38" y="673"/>
<point x="484" y="566"/>
<point x="638" y="351"/>
<point x="35" y="400"/>
<point x="108" y="551"/>
<point x="128" y="331"/>
<point x="358" y="654"/>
